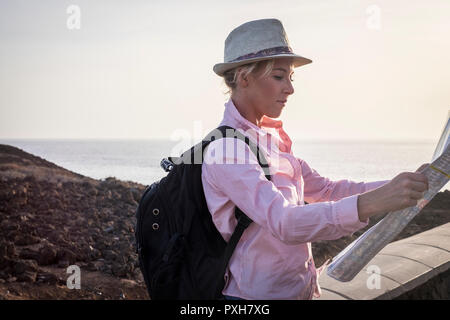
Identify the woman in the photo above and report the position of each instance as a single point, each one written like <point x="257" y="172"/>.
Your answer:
<point x="273" y="259"/>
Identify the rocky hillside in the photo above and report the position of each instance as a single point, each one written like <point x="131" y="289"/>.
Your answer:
<point x="51" y="218"/>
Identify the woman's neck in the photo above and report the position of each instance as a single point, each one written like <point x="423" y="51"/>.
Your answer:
<point x="247" y="110"/>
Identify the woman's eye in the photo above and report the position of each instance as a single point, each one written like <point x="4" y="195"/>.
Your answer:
<point x="281" y="78"/>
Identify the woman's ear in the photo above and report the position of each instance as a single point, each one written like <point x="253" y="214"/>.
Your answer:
<point x="242" y="80"/>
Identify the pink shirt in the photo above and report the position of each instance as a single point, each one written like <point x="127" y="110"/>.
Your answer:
<point x="273" y="259"/>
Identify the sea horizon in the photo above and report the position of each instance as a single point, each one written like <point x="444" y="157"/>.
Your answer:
<point x="138" y="160"/>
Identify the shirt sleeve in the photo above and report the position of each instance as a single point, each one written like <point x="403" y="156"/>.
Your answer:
<point x="238" y="176"/>
<point x="318" y="188"/>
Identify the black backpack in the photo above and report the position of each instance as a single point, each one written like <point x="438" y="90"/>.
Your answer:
<point x="181" y="253"/>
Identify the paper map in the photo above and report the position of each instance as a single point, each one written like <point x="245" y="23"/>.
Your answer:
<point x="349" y="262"/>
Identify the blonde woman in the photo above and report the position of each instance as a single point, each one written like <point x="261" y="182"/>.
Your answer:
<point x="273" y="259"/>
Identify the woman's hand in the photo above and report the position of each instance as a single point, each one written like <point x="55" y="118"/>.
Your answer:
<point x="404" y="191"/>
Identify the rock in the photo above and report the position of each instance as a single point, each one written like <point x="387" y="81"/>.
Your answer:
<point x="27" y="276"/>
<point x="8" y="225"/>
<point x="47" y="277"/>
<point x="43" y="206"/>
<point x="19" y="201"/>
<point x="47" y="255"/>
<point x="7" y="249"/>
<point x="82" y="252"/>
<point x="25" y="265"/>
<point x="26" y="239"/>
<point x="137" y="194"/>
<point x="68" y="185"/>
<point x="109" y="255"/>
<point x="55" y="237"/>
<point x="25" y="216"/>
<point x="27" y="253"/>
<point x="91" y="266"/>
<point x="54" y="203"/>
<point x="4" y="274"/>
<point x="103" y="244"/>
<point x="12" y="236"/>
<point x="129" y="198"/>
<point x="108" y="229"/>
<point x="105" y="268"/>
<point x="63" y="264"/>
<point x="95" y="265"/>
<point x="7" y="264"/>
<point x="66" y="255"/>
<point x="94" y="254"/>
<point x="119" y="270"/>
<point x="127" y="283"/>
<point x="44" y="231"/>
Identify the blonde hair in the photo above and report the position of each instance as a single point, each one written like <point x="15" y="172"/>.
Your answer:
<point x="230" y="77"/>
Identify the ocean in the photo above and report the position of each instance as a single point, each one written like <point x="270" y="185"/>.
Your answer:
<point x="139" y="160"/>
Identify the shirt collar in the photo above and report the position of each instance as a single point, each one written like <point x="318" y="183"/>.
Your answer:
<point x="233" y="118"/>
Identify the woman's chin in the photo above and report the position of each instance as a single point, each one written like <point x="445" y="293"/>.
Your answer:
<point x="275" y="113"/>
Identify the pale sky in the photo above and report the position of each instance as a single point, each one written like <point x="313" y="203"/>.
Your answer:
<point x="143" y="69"/>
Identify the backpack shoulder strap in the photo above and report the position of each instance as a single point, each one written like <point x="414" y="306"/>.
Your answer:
<point x="230" y="132"/>
<point x="195" y="154"/>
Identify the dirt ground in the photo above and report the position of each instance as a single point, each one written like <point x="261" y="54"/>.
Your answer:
<point x="94" y="285"/>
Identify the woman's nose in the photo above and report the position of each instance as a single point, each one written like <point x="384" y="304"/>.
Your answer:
<point x="290" y="88"/>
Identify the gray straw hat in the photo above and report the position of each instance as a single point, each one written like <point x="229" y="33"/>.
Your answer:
<point x="255" y="41"/>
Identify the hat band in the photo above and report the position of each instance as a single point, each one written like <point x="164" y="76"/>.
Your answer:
<point x="265" y="53"/>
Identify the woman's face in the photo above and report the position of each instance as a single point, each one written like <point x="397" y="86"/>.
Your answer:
<point x="268" y="95"/>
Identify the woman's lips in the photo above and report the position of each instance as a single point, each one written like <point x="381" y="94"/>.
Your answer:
<point x="283" y="102"/>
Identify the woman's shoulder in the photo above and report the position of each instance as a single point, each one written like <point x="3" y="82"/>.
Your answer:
<point x="225" y="150"/>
